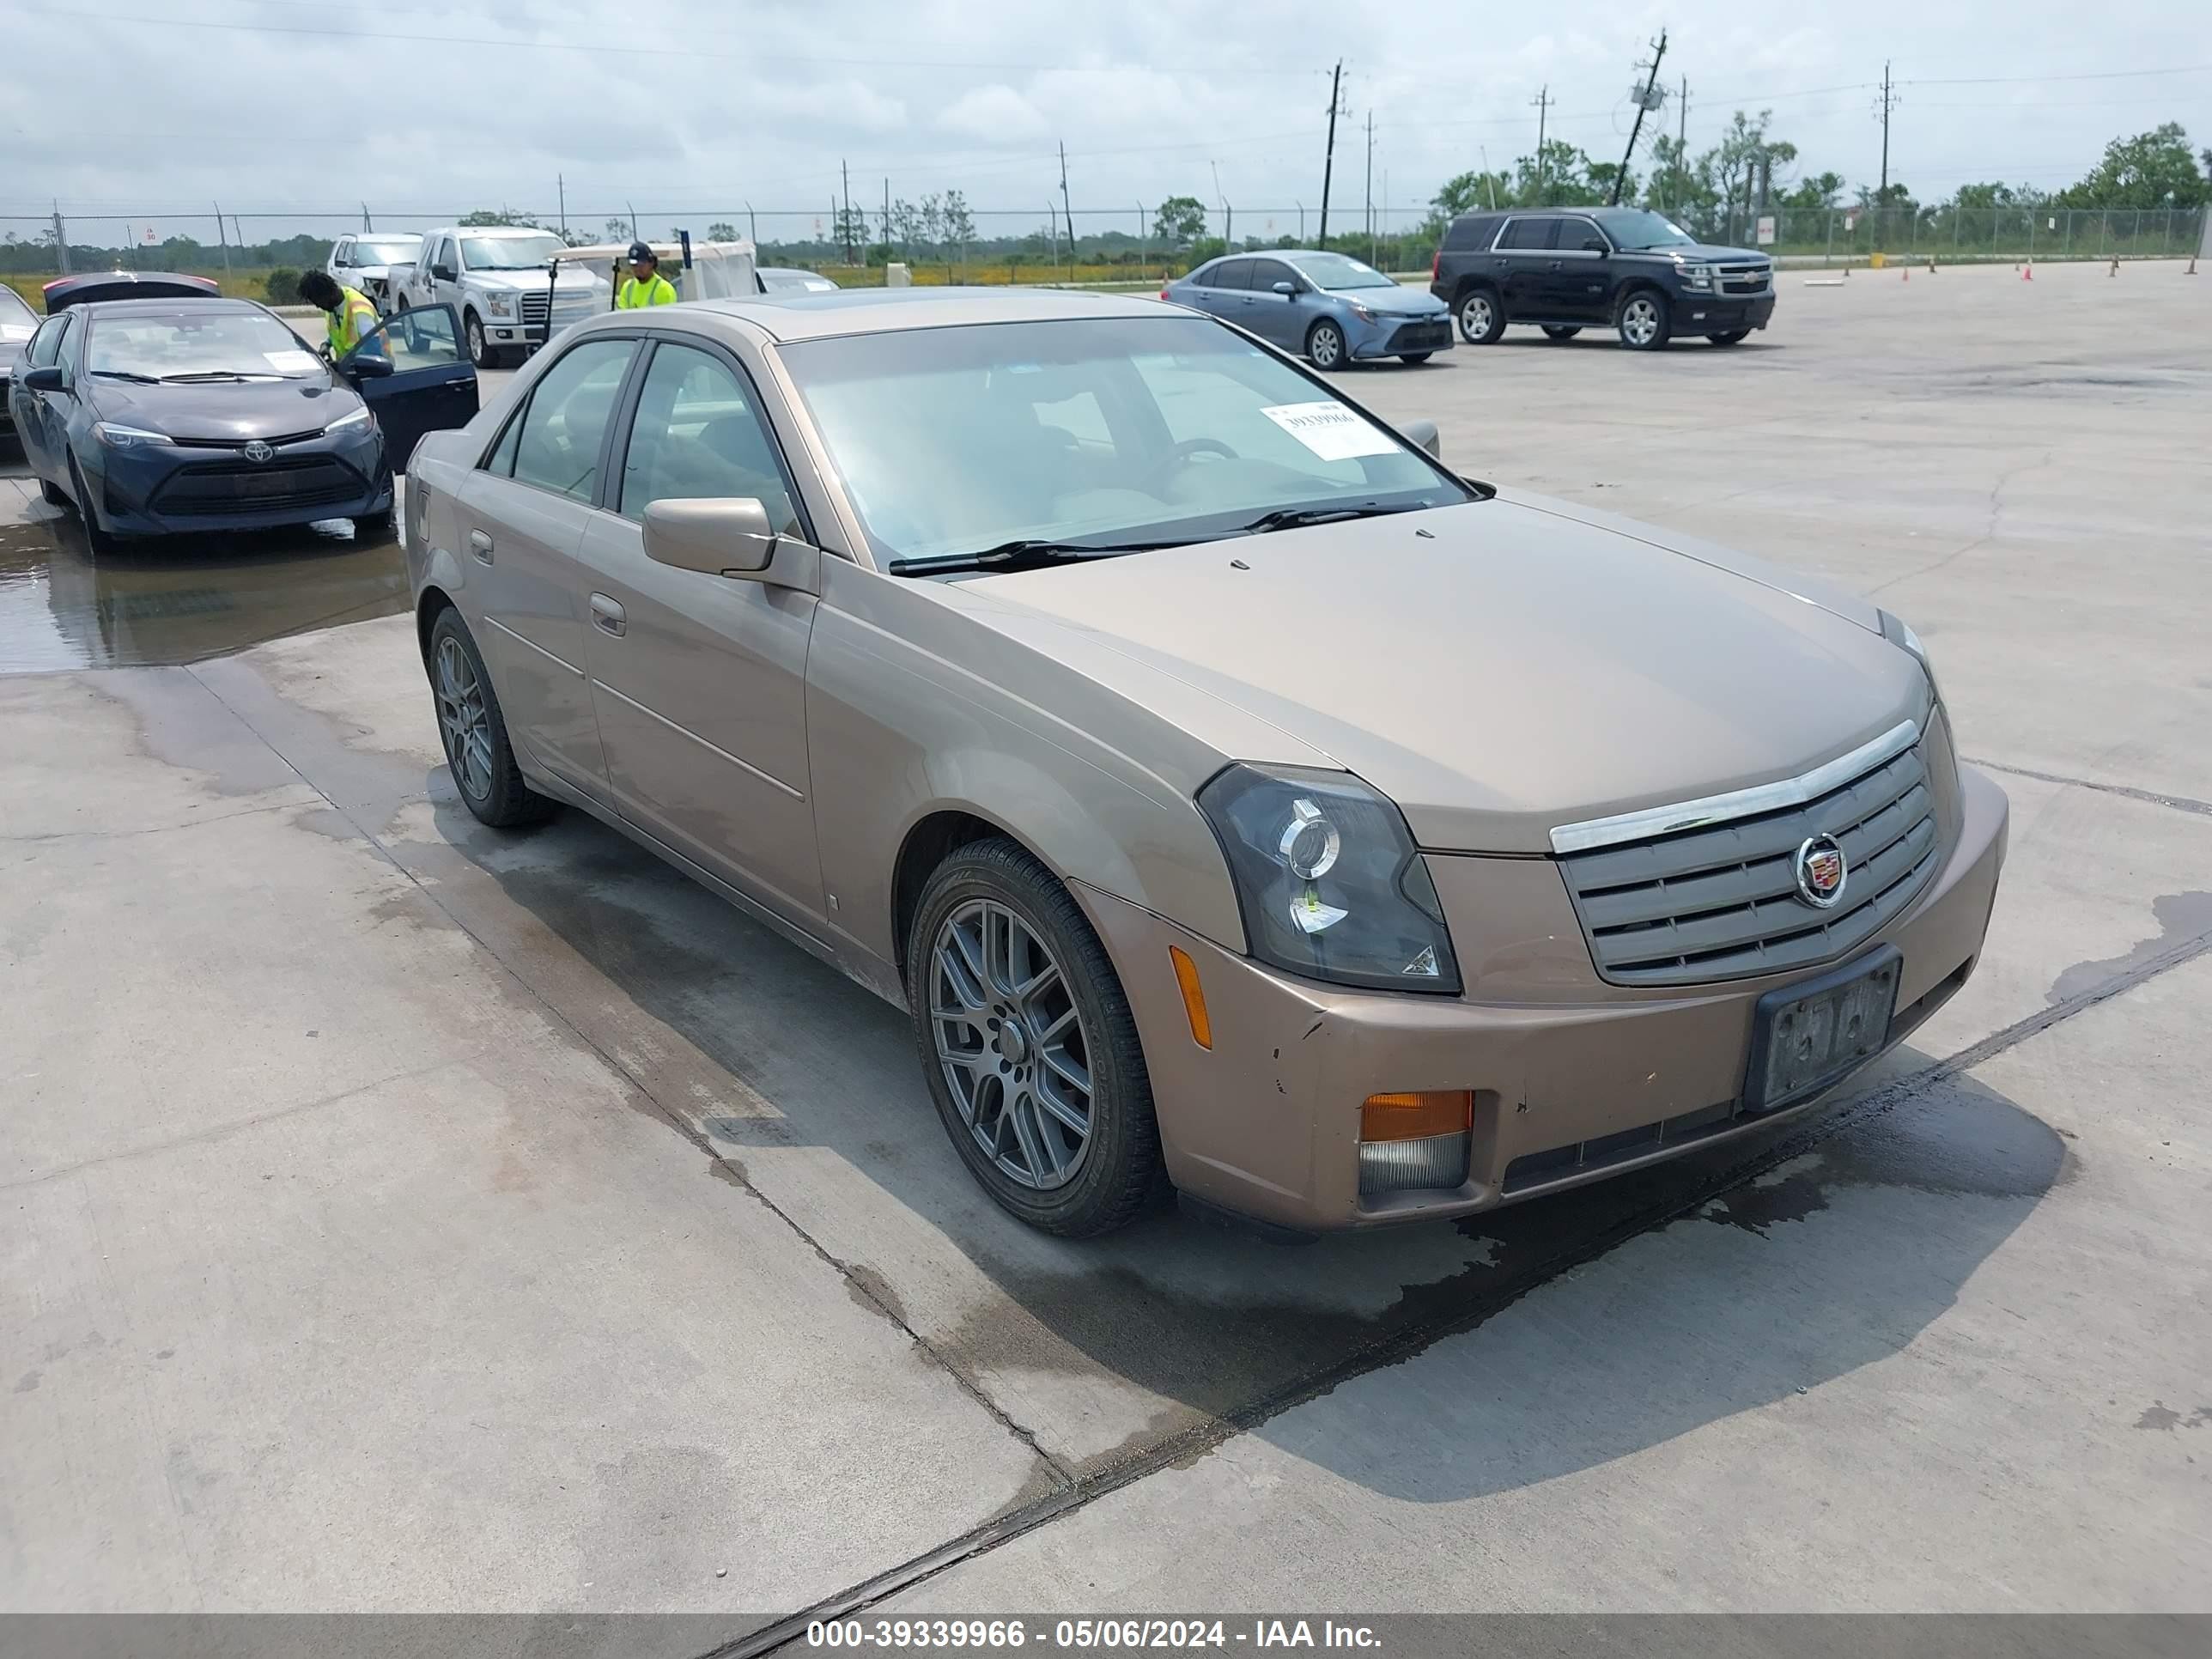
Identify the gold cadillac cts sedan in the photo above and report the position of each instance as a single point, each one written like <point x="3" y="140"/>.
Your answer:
<point x="1237" y="800"/>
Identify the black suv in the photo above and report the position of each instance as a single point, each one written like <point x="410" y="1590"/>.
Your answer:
<point x="1568" y="269"/>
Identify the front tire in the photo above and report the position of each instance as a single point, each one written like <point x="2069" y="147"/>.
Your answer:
<point x="1551" y="332"/>
<point x="1415" y="357"/>
<point x="1027" y="1044"/>
<point x="1481" y="316"/>
<point x="52" y="494"/>
<point x="1645" y="321"/>
<point x="474" y="731"/>
<point x="96" y="536"/>
<point x="1325" y="347"/>
<point x="1734" y="336"/>
<point x="482" y="352"/>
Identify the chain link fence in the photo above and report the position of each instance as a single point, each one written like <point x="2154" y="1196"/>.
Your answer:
<point x="1108" y="244"/>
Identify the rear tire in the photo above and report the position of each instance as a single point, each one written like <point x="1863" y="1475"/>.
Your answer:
<point x="1415" y="357"/>
<point x="1734" y="336"/>
<point x="474" y="731"/>
<point x="1553" y="332"/>
<point x="1645" y="321"/>
<point x="1480" y="315"/>
<point x="979" y="1028"/>
<point x="1325" y="347"/>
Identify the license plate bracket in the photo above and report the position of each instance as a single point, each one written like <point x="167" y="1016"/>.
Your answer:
<point x="1808" y="1037"/>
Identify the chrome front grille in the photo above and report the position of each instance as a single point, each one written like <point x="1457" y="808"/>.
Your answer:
<point x="1746" y="279"/>
<point x="1718" y="899"/>
<point x="533" y="307"/>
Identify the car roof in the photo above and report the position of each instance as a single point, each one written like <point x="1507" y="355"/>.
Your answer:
<point x="885" y="311"/>
<point x="489" y="230"/>
<point x="167" y="306"/>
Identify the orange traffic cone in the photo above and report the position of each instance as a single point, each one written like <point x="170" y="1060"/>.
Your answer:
<point x="2028" y="271"/>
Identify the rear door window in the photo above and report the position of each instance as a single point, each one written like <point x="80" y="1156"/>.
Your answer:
<point x="564" y="430"/>
<point x="1233" y="273"/>
<point x="1266" y="273"/>
<point x="1528" y="234"/>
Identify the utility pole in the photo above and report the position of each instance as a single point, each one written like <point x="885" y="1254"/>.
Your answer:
<point x="1650" y="84"/>
<point x="365" y="224"/>
<point x="222" y="237"/>
<point x="845" y="219"/>
<point x="1228" y="213"/>
<point x="1682" y="134"/>
<point x="752" y="225"/>
<point x="1888" y="103"/>
<point x="887" y="220"/>
<point x="1328" y="162"/>
<point x="1542" y="101"/>
<point x="61" y="239"/>
<point x="1371" y="184"/>
<point x="1066" y="212"/>
<point x="560" y="189"/>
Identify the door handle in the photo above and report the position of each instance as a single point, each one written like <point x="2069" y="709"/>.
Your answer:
<point x="607" y="615"/>
<point x="480" y="545"/>
<point x="1558" y="265"/>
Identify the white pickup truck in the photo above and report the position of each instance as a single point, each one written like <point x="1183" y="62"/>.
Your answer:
<point x="500" y="282"/>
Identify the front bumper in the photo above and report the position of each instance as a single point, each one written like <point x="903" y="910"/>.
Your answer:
<point x="178" y="488"/>
<point x="1720" y="313"/>
<point x="1390" y="335"/>
<point x="1574" y="1079"/>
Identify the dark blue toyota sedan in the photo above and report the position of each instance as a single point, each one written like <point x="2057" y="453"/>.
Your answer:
<point x="156" y="415"/>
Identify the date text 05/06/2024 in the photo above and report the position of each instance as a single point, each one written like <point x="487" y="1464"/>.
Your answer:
<point x="1089" y="1635"/>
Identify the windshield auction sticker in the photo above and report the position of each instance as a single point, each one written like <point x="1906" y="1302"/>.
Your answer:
<point x="1331" y="431"/>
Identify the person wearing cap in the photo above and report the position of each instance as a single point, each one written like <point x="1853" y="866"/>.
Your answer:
<point x="348" y="313"/>
<point x="645" y="285"/>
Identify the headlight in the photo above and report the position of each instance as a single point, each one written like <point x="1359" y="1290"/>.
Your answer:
<point x="1328" y="880"/>
<point x="127" y="437"/>
<point x="358" y="416"/>
<point x="1699" y="276"/>
<point x="1900" y="634"/>
<point x="500" y="305"/>
<point x="1363" y="312"/>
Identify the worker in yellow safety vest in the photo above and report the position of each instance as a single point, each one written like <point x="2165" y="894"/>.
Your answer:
<point x="645" y="285"/>
<point x="349" y="312"/>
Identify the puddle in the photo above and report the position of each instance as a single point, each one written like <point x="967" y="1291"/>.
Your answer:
<point x="184" y="598"/>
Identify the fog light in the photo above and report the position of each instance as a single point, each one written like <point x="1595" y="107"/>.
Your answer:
<point x="1403" y="1166"/>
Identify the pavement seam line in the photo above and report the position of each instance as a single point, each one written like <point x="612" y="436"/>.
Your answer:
<point x="967" y="1385"/>
<point x="218" y="1131"/>
<point x="2179" y="803"/>
<point x="151" y="828"/>
<point x="1408" y="1343"/>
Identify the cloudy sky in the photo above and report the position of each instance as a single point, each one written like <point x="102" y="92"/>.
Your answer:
<point x="686" y="110"/>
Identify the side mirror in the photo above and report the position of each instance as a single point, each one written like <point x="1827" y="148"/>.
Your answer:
<point x="1424" y="433"/>
<point x="717" y="537"/>
<point x="1286" y="289"/>
<point x="48" y="379"/>
<point x="359" y="367"/>
<point x="443" y="272"/>
<point x="1595" y="245"/>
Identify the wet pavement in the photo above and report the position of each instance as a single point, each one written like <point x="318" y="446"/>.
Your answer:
<point x="408" y="1215"/>
<point x="183" y="599"/>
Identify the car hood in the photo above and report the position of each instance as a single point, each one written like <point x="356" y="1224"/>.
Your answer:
<point x="230" y="411"/>
<point x="571" y="281"/>
<point x="1496" y="668"/>
<point x="1395" y="301"/>
<point x="1705" y="253"/>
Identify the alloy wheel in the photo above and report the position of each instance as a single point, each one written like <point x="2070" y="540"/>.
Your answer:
<point x="1474" y="316"/>
<point x="1326" y="346"/>
<point x="1639" y="320"/>
<point x="463" y="720"/>
<point x="1011" y="1044"/>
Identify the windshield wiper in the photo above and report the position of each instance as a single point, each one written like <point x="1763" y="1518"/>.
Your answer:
<point x="1297" y="518"/>
<point x="126" y="374"/>
<point x="202" y="375"/>
<point x="1022" y="554"/>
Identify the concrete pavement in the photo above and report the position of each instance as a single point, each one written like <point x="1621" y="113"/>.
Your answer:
<point x="410" y="1216"/>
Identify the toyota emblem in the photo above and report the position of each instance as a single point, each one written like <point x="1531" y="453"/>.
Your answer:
<point x="1820" y="873"/>
<point x="258" y="451"/>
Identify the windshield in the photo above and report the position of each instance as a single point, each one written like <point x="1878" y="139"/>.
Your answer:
<point x="1336" y="272"/>
<point x="17" y="321"/>
<point x="1639" y="228"/>
<point x="395" y="251"/>
<point x="189" y="344"/>
<point x="951" y="440"/>
<point x="795" y="282"/>
<point x="508" y="252"/>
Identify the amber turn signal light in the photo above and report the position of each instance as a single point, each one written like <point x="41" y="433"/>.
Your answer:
<point x="1193" y="997"/>
<point x="1417" y="1116"/>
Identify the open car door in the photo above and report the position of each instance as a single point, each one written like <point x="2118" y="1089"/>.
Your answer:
<point x="415" y="376"/>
